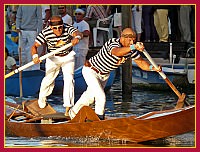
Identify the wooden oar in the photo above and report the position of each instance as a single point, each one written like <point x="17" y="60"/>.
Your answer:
<point x="182" y="96"/>
<point x="41" y="58"/>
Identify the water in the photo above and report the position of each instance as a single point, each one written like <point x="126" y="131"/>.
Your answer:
<point x="142" y="102"/>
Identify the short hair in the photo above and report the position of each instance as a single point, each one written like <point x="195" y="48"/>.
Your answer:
<point x="6" y="50"/>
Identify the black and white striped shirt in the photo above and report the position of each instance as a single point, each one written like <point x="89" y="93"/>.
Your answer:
<point x="47" y="36"/>
<point x="105" y="62"/>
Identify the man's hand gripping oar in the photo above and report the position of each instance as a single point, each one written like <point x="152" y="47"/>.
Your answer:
<point x="40" y="59"/>
<point x="181" y="97"/>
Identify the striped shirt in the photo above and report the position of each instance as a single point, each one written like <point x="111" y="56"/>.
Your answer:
<point x="105" y="62"/>
<point x="96" y="12"/>
<point x="47" y="36"/>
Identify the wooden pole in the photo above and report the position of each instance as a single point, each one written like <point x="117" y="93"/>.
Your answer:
<point x="127" y="66"/>
<point x="20" y="64"/>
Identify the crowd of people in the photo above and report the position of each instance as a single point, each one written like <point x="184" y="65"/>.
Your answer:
<point x="39" y="33"/>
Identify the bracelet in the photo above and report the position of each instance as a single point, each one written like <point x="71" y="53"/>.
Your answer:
<point x="35" y="56"/>
<point x="78" y="37"/>
<point x="151" y="67"/>
<point x="132" y="47"/>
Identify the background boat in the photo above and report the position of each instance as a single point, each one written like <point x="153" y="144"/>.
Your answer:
<point x="180" y="75"/>
<point x="31" y="81"/>
<point x="179" y="68"/>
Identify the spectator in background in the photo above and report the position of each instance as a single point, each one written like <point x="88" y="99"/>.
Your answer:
<point x="67" y="19"/>
<point x="28" y="24"/>
<point x="185" y="24"/>
<point x="192" y="19"/>
<point x="173" y="17"/>
<point x="137" y="20"/>
<point x="11" y="11"/>
<point x="111" y="9"/>
<point x="93" y="13"/>
<point x="10" y="63"/>
<point x="14" y="34"/>
<point x="149" y="27"/>
<point x="161" y="22"/>
<point x="82" y="47"/>
<point x="46" y="13"/>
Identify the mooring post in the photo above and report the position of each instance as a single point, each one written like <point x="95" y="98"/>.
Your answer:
<point x="127" y="66"/>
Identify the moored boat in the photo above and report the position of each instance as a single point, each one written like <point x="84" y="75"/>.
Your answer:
<point x="31" y="81"/>
<point x="180" y="75"/>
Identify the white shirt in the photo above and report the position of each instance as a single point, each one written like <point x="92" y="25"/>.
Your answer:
<point x="10" y="61"/>
<point x="82" y="26"/>
<point x="67" y="19"/>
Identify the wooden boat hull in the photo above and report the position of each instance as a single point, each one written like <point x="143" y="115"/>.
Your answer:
<point x="147" y="127"/>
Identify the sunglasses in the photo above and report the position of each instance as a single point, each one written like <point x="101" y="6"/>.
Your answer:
<point x="57" y="27"/>
<point x="61" y="7"/>
<point x="78" y="14"/>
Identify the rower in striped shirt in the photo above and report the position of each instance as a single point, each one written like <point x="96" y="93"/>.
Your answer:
<point x="97" y="69"/>
<point x="55" y="36"/>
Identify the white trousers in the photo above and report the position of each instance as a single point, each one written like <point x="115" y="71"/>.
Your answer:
<point x="80" y="57"/>
<point x="95" y="91"/>
<point x="53" y="65"/>
<point x="137" y="20"/>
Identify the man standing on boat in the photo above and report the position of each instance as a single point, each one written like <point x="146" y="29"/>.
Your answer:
<point x="55" y="36"/>
<point x="97" y="69"/>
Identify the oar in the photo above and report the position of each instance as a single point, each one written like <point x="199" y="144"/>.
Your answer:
<point x="182" y="96"/>
<point x="41" y="58"/>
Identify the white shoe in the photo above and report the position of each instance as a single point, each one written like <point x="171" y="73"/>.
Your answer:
<point x="71" y="113"/>
<point x="42" y="102"/>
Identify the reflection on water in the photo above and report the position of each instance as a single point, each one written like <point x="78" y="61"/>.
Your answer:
<point x="142" y="102"/>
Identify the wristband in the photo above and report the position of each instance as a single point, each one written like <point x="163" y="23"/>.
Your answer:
<point x="132" y="47"/>
<point x="151" y="67"/>
<point x="78" y="37"/>
<point x="35" y="56"/>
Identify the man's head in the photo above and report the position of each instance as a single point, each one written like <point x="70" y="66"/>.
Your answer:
<point x="128" y="37"/>
<point x="79" y="14"/>
<point x="56" y="24"/>
<point x="62" y="10"/>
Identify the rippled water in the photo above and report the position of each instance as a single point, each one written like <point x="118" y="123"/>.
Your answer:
<point x="142" y="102"/>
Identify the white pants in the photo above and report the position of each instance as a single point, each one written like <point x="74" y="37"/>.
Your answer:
<point x="53" y="65"/>
<point x="27" y="39"/>
<point x="137" y="19"/>
<point x="95" y="91"/>
<point x="80" y="57"/>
